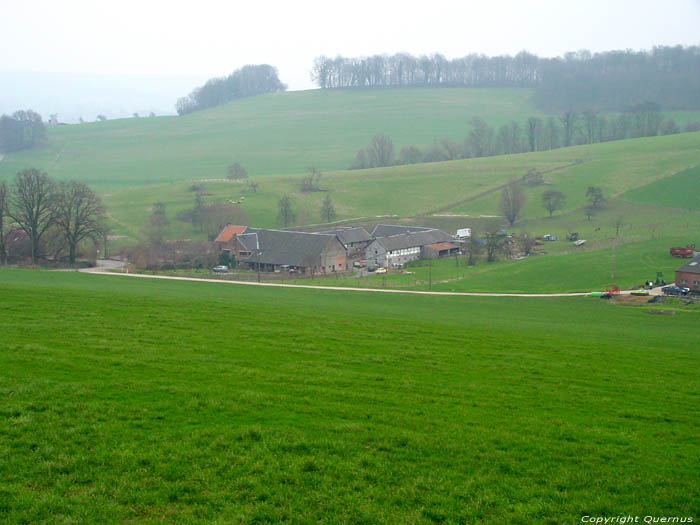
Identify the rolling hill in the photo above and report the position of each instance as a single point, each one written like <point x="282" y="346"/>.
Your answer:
<point x="275" y="134"/>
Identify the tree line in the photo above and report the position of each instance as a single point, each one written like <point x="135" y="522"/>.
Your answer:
<point x="537" y="134"/>
<point x="21" y="130"/>
<point x="244" y="82"/>
<point x="578" y="81"/>
<point x="55" y="216"/>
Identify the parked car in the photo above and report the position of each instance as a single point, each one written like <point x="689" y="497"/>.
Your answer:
<point x="220" y="268"/>
<point x="371" y="268"/>
<point x="672" y="289"/>
<point x="381" y="270"/>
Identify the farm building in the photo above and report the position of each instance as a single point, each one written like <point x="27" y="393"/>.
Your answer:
<point x="355" y="240"/>
<point x="279" y="250"/>
<point x="688" y="275"/>
<point x="398" y="249"/>
<point x="226" y="240"/>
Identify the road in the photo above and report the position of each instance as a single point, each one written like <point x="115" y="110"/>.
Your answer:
<point x="104" y="266"/>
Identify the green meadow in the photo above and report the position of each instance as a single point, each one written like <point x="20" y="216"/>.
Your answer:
<point x="466" y="190"/>
<point x="196" y="402"/>
<point x="275" y="134"/>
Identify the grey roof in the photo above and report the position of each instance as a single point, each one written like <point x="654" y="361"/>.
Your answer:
<point x="387" y="230"/>
<point x="350" y="235"/>
<point x="691" y="266"/>
<point x="285" y="247"/>
<point x="414" y="239"/>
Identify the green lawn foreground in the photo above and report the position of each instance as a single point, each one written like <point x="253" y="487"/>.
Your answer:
<point x="149" y="401"/>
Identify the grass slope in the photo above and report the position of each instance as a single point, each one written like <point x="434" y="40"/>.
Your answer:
<point x="279" y="133"/>
<point x="442" y="187"/>
<point x="211" y="403"/>
<point x="681" y="190"/>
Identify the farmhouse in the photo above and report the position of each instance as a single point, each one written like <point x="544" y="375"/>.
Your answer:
<point x="280" y="250"/>
<point x="399" y="248"/>
<point x="688" y="275"/>
<point x="355" y="240"/>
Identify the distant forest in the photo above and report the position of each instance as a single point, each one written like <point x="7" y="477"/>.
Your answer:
<point x="580" y="81"/>
<point x="245" y="82"/>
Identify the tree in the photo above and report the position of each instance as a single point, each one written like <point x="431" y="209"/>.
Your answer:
<point x="534" y="130"/>
<point x="3" y="213"/>
<point x="380" y="152"/>
<point x="327" y="210"/>
<point x="410" y="155"/>
<point x="285" y="214"/>
<point x="236" y="172"/>
<point x="360" y="162"/>
<point x="512" y="201"/>
<point x="494" y="245"/>
<point x="590" y="211"/>
<point x="553" y="200"/>
<point x="32" y="205"/>
<point x="313" y="181"/>
<point x="594" y="194"/>
<point x="158" y="222"/>
<point x="216" y="215"/>
<point x="479" y="143"/>
<point x="568" y="120"/>
<point x="101" y="117"/>
<point x="79" y="215"/>
<point x="473" y="247"/>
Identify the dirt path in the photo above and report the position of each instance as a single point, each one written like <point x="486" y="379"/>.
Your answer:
<point x="103" y="267"/>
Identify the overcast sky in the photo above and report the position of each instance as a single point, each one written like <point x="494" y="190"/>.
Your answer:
<point x="212" y="38"/>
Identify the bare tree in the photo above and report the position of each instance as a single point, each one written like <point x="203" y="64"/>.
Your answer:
<point x="527" y="243"/>
<point x="494" y="245"/>
<point x="216" y="215"/>
<point x="512" y="201"/>
<point x="3" y="214"/>
<point x="327" y="210"/>
<point x="381" y="151"/>
<point x="158" y="223"/>
<point x="553" y="200"/>
<point x="569" y="120"/>
<point x="79" y="215"/>
<point x="285" y="214"/>
<point x="32" y="205"/>
<point x="473" y="247"/>
<point x="594" y="194"/>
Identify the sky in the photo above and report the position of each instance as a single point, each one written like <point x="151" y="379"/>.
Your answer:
<point x="212" y="38"/>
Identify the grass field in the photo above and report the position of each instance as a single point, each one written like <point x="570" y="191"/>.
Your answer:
<point x="276" y="134"/>
<point x="681" y="190"/>
<point x="571" y="270"/>
<point x="445" y="187"/>
<point x="193" y="402"/>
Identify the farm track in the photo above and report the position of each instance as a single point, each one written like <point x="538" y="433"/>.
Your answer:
<point x="104" y="268"/>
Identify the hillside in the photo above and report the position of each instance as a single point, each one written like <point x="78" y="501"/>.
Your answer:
<point x="439" y="190"/>
<point x="276" y="134"/>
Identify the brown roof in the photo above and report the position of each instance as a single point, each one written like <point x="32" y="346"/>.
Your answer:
<point x="227" y="233"/>
<point x="691" y="266"/>
<point x="442" y="246"/>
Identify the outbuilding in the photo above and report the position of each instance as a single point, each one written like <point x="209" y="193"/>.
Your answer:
<point x="688" y="275"/>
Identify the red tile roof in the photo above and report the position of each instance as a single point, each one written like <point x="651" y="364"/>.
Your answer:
<point x="228" y="233"/>
<point x="442" y="246"/>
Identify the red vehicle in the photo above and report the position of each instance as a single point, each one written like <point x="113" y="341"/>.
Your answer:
<point x="680" y="251"/>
